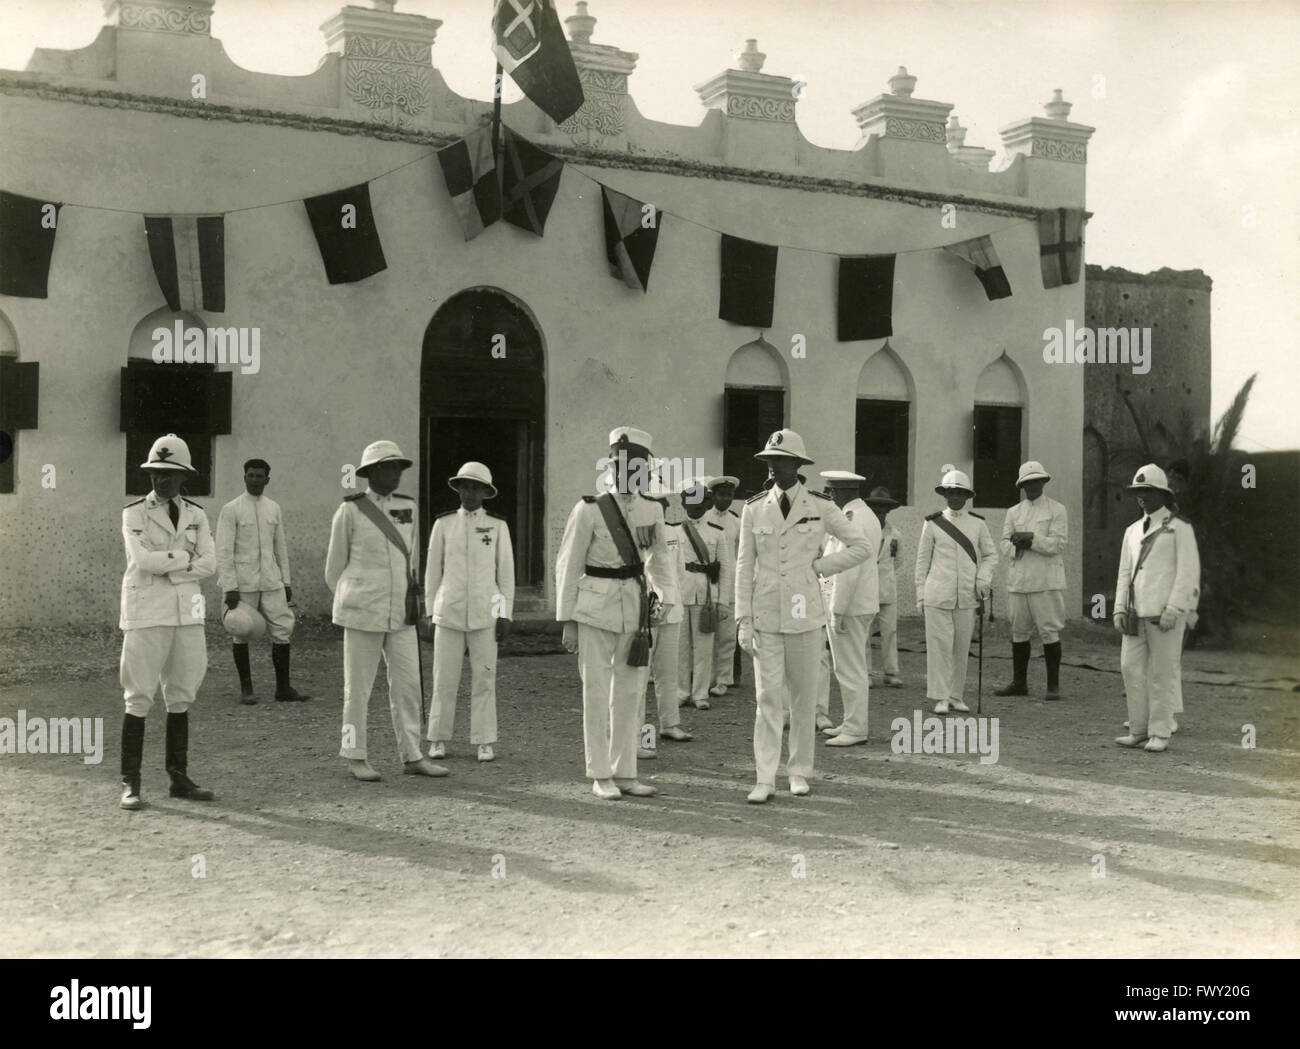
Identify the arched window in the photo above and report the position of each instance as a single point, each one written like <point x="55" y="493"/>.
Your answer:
<point x="18" y="402"/>
<point x="483" y="398"/>
<point x="162" y="393"/>
<point x="883" y="425"/>
<point x="754" y="405"/>
<point x="999" y="432"/>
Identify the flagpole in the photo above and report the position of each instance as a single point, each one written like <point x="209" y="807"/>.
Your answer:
<point x="497" y="87"/>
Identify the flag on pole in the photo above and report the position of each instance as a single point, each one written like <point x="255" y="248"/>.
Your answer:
<point x="982" y="256"/>
<point x="189" y="260"/>
<point x="865" y="304"/>
<point x="631" y="233"/>
<point x="345" y="234"/>
<point x="1060" y="245"/>
<point x="530" y="179"/>
<point x="27" y="229"/>
<point x="471" y="175"/>
<point x="529" y="43"/>
<point x="748" y="282"/>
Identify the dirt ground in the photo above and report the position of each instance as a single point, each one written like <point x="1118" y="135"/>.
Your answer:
<point x="900" y="855"/>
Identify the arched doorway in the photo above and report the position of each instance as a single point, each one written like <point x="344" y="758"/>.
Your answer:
<point x="483" y="397"/>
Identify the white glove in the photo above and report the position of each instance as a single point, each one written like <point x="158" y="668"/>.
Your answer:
<point x="1118" y="620"/>
<point x="1167" y="620"/>
<point x="745" y="635"/>
<point x="570" y="636"/>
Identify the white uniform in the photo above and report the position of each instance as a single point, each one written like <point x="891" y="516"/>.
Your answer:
<point x="162" y="610"/>
<point x="253" y="558"/>
<point x="948" y="583"/>
<point x="1169" y="580"/>
<point x="724" y="637"/>
<point x="469" y="582"/>
<point x="1036" y="576"/>
<point x="665" y="653"/>
<point x="854" y="596"/>
<point x="607" y="611"/>
<point x="887" y="589"/>
<point x="777" y="587"/>
<point x="696" y="647"/>
<point x="369" y="577"/>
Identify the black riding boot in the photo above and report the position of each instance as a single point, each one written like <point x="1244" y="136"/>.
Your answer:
<point x="245" y="674"/>
<point x="284" y="692"/>
<point x="132" y="752"/>
<point x="178" y="747"/>
<point x="1019" y="671"/>
<point x="1052" y="657"/>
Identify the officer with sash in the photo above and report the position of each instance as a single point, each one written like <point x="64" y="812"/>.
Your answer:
<point x="169" y="549"/>
<point x="376" y="600"/>
<point x="1034" y="534"/>
<point x="779" y="606"/>
<point x="707" y="590"/>
<point x="721" y="517"/>
<point x="611" y="555"/>
<point x="955" y="562"/>
<point x="1158" y="587"/>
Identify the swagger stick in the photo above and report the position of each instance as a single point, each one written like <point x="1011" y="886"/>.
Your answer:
<point x="979" y="694"/>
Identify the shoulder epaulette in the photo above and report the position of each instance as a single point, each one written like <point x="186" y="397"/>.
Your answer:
<point x="934" y="516"/>
<point x="732" y="512"/>
<point x="974" y="514"/>
<point x="136" y="503"/>
<point x="495" y="516"/>
<point x="588" y="498"/>
<point x="820" y="495"/>
<point x="353" y="498"/>
<point x="714" y="524"/>
<point x="402" y="495"/>
<point x="756" y="498"/>
<point x="445" y="513"/>
<point x="191" y="502"/>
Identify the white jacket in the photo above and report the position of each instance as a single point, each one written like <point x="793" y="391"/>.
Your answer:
<point x="946" y="577"/>
<point x="695" y="586"/>
<point x="775" y="564"/>
<point x="885" y="574"/>
<point x="856" y="590"/>
<point x="1170" y="576"/>
<point x="164" y="564"/>
<point x="252" y="552"/>
<point x="675" y="542"/>
<point x="729" y="521"/>
<point x="610" y="604"/>
<point x="1041" y="567"/>
<point x="470" y="564"/>
<point x="367" y="573"/>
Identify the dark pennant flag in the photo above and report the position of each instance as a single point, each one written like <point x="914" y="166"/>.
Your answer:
<point x="345" y="233"/>
<point x="748" y="281"/>
<point x="529" y="181"/>
<point x="630" y="238"/>
<point x="865" y="305"/>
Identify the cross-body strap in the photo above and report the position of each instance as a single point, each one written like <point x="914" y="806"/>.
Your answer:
<point x="367" y="507"/>
<point x="1148" y="543"/>
<point x="956" y="534"/>
<point x="618" y="529"/>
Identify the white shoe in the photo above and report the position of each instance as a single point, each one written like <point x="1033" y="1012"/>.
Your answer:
<point x="606" y="790"/>
<point x="485" y="752"/>
<point x="645" y="754"/>
<point x="843" y="740"/>
<point x="1173" y="726"/>
<point x="824" y="722"/>
<point x="893" y="681"/>
<point x="1156" y="744"/>
<point x="834" y="730"/>
<point x="761" y="793"/>
<point x="958" y="705"/>
<point x="941" y="707"/>
<point x="718" y="690"/>
<point x="438" y="751"/>
<point x="638" y="790"/>
<point x="799" y="786"/>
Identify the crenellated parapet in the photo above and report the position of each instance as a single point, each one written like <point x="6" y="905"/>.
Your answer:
<point x="379" y="76"/>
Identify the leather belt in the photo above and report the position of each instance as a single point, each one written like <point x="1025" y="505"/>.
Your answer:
<point x="622" y="572"/>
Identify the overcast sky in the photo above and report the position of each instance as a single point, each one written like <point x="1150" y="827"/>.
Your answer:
<point x="1198" y="119"/>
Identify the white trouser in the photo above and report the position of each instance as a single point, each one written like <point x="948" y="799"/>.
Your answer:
<point x="824" y="674"/>
<point x="887" y="620"/>
<point x="361" y="652"/>
<point x="947" y="650"/>
<point x="175" y="657"/>
<point x="663" y="667"/>
<point x="785" y="663"/>
<point x="1152" y="677"/>
<point x="1042" y="612"/>
<point x="849" y="657"/>
<point x="274" y="608"/>
<point x="448" y="658"/>
<point x="724" y="647"/>
<point x="611" y="692"/>
<point x="697" y="655"/>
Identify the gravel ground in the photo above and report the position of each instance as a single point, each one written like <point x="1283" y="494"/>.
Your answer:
<point x="1067" y="846"/>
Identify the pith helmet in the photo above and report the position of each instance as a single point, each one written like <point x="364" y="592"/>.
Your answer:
<point x="1032" y="471"/>
<point x="244" y="623"/>
<point x="382" y="452"/>
<point x="474" y="472"/>
<point x="955" y="480"/>
<point x="1150" y="476"/>
<point x="784" y="444"/>
<point x="169" y="453"/>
